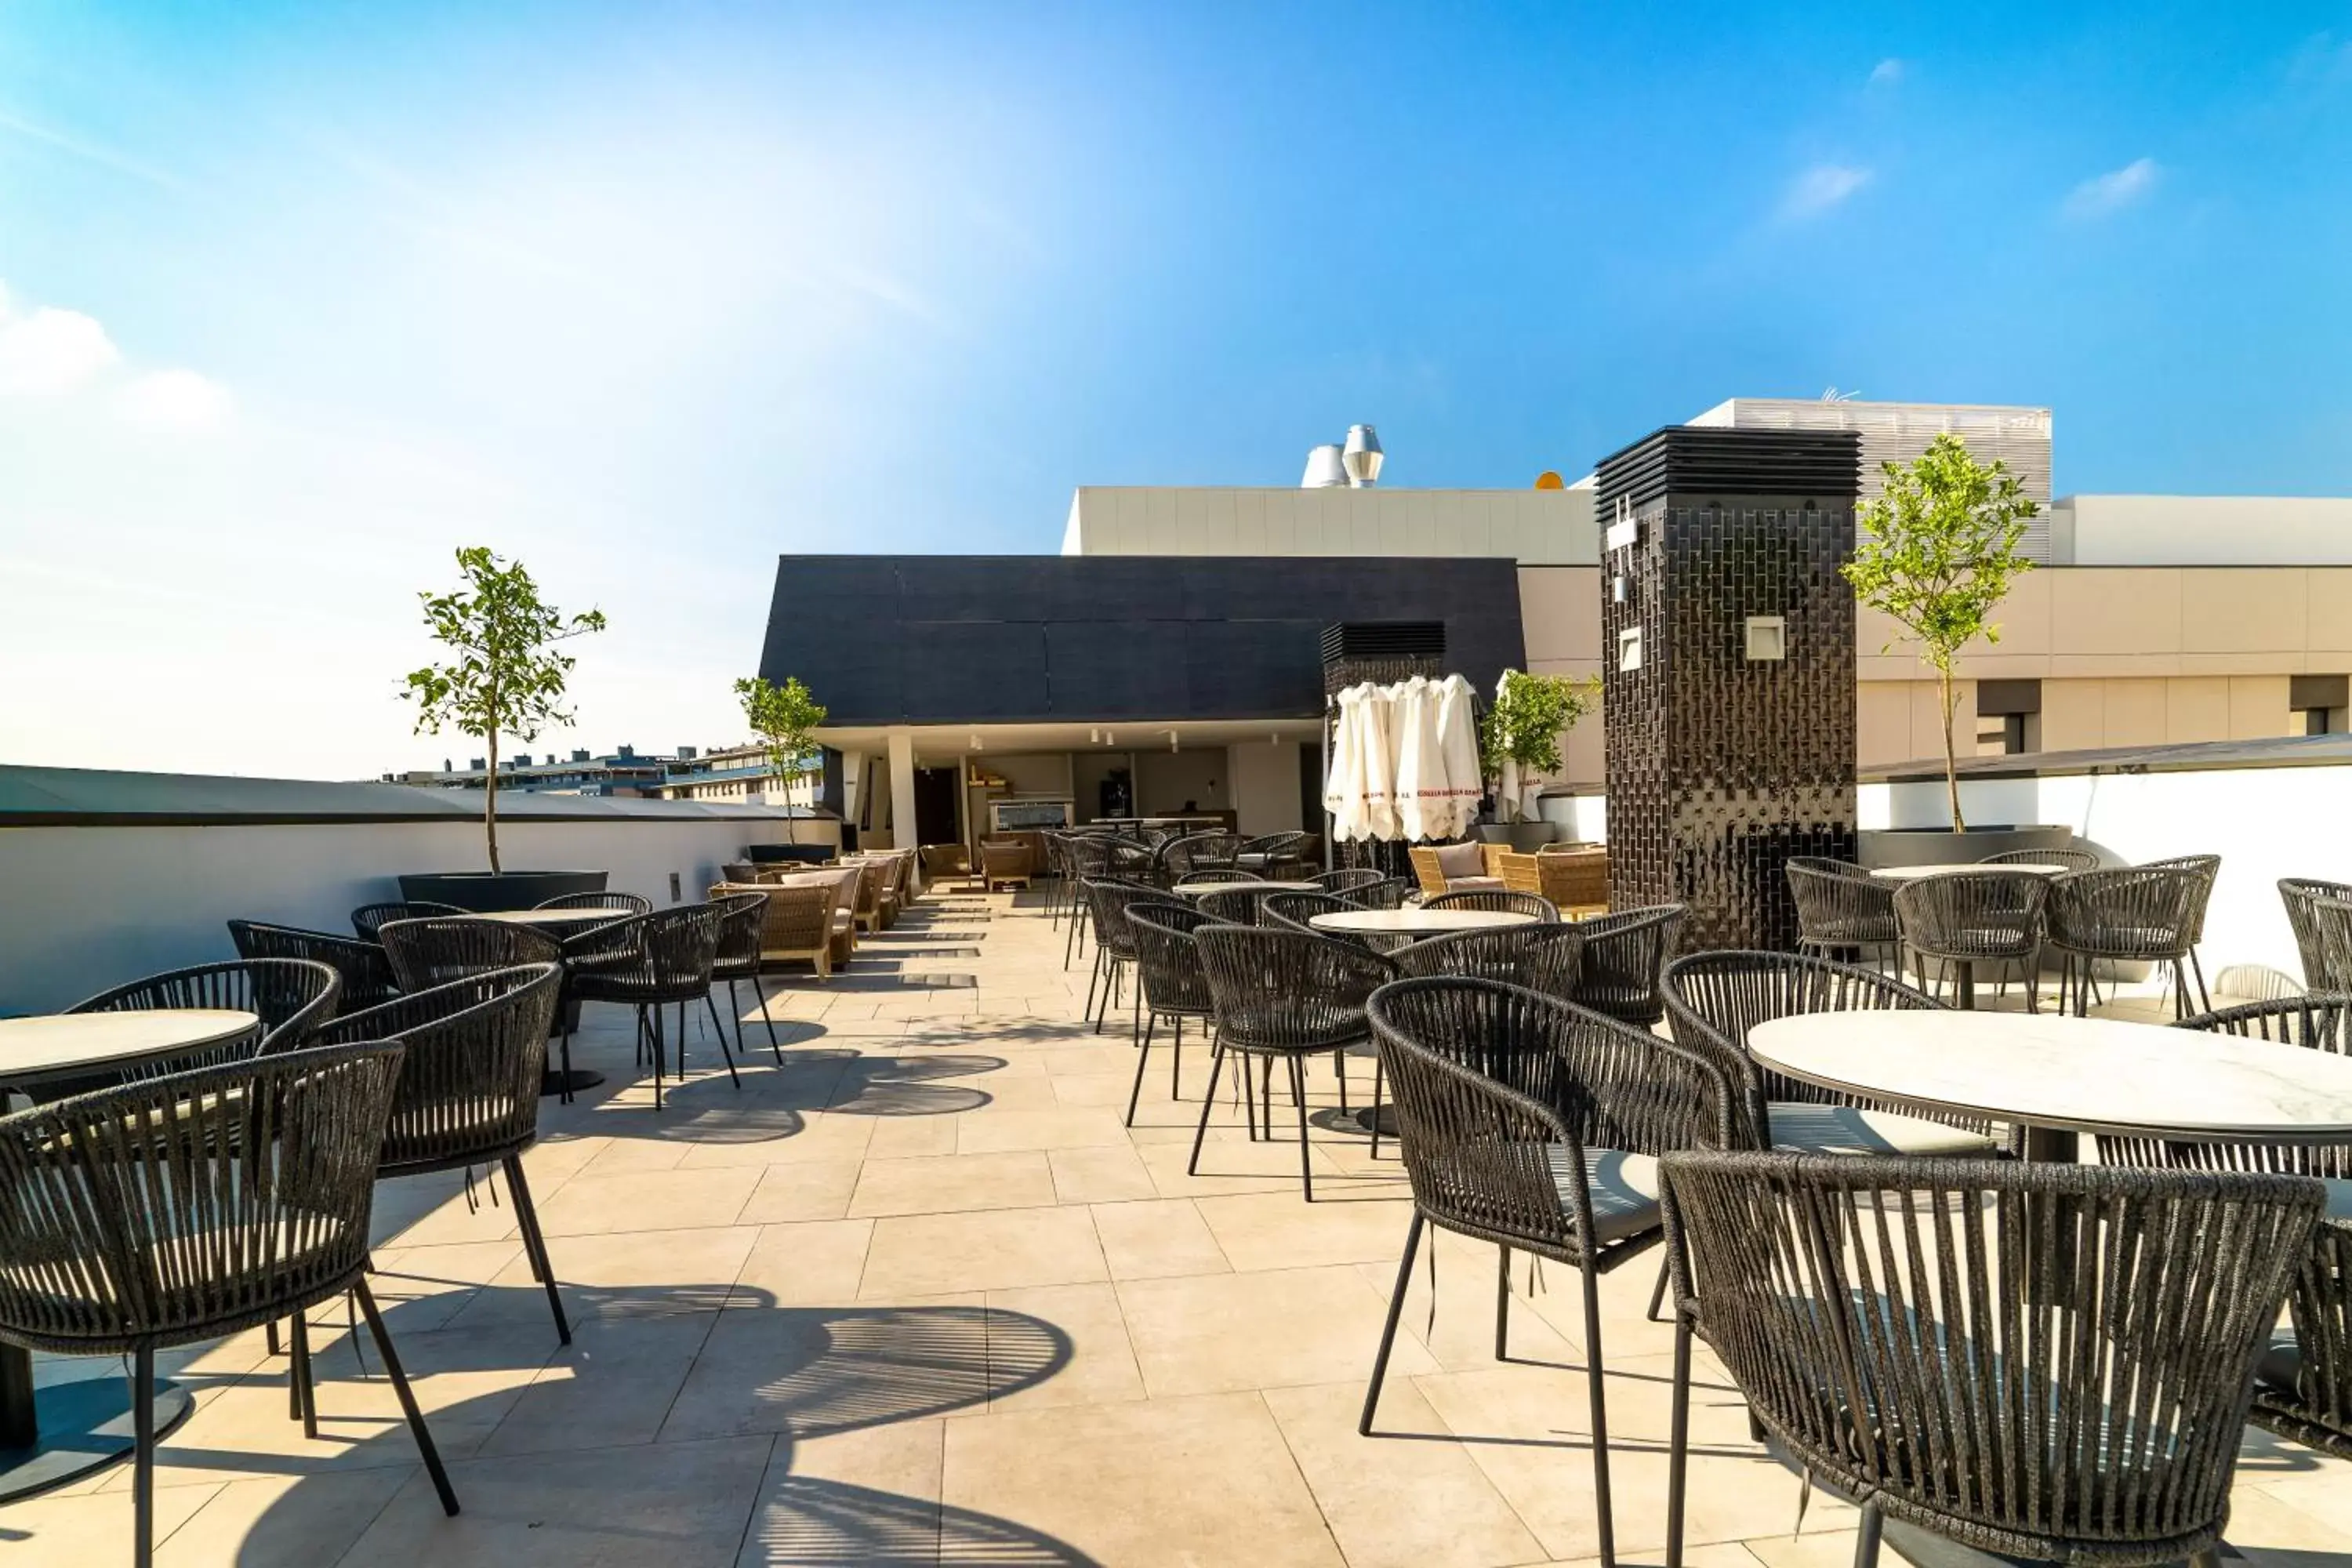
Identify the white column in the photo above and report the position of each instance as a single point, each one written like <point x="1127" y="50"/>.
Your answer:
<point x="902" y="789"/>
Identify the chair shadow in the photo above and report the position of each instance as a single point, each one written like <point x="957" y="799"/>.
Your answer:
<point x="809" y="1521"/>
<point x="910" y="1086"/>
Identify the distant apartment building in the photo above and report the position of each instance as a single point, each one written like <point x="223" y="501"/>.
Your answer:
<point x="622" y="773"/>
<point x="742" y="775"/>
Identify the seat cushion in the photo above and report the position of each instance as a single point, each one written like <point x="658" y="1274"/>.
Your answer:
<point x="1811" y="1129"/>
<point x="1624" y="1187"/>
<point x="2339" y="1198"/>
<point x="1473" y="884"/>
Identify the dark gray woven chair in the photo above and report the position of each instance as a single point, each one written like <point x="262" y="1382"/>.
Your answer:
<point x="291" y="996"/>
<point x="1294" y="911"/>
<point x="742" y="918"/>
<point x="366" y="973"/>
<point x="1498" y="900"/>
<point x="369" y="920"/>
<point x="127" y="1231"/>
<point x="618" y="902"/>
<point x="1714" y="999"/>
<point x="1170" y="981"/>
<point x="1968" y="918"/>
<point x="1542" y="957"/>
<point x="2301" y="894"/>
<point x="2072" y="859"/>
<point x="1624" y="954"/>
<point x="2303" y="1388"/>
<point x="425" y="953"/>
<point x="1536" y="1124"/>
<point x="1283" y="995"/>
<point x="1211" y="851"/>
<point x="469" y="1088"/>
<point x="2209" y="867"/>
<point x="1842" y="909"/>
<point x="669" y="956"/>
<point x="2126" y="914"/>
<point x="1107" y="905"/>
<point x="2032" y="1360"/>
<point x="1348" y="878"/>
<point x="1237" y="906"/>
<point x="1388" y="893"/>
<point x="1274" y="856"/>
<point x="1210" y="877"/>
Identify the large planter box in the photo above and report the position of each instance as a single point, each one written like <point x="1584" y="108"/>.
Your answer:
<point x="772" y="854"/>
<point x="1526" y="837"/>
<point x="485" y="891"/>
<point x="1942" y="847"/>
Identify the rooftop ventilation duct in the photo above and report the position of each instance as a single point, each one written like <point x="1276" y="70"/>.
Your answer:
<point x="1323" y="468"/>
<point x="1354" y="463"/>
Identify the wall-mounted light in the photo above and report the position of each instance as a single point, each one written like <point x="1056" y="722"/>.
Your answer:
<point x="1620" y="589"/>
<point x="1629" y="648"/>
<point x="1172" y="740"/>
<point x="975" y="744"/>
<point x="1767" y="639"/>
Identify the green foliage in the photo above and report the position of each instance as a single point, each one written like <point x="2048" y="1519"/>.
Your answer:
<point x="504" y="676"/>
<point x="1936" y="553"/>
<point x="1528" y="714"/>
<point x="787" y="718"/>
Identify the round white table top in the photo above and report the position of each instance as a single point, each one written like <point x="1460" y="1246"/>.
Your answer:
<point x="66" y="1044"/>
<point x="1906" y="873"/>
<point x="2089" y="1074"/>
<point x="1194" y="889"/>
<point x="1415" y="921"/>
<point x="553" y="917"/>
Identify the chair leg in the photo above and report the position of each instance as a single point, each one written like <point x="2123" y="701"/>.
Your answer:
<point x="1865" y="1540"/>
<point x="1339" y="1072"/>
<point x="299" y="1392"/>
<point x="735" y="1011"/>
<point x="1379" y="1071"/>
<point x="1143" y="1055"/>
<point x="658" y="1064"/>
<point x="759" y="989"/>
<point x="407" y="1400"/>
<point x="1216" y="1065"/>
<point x="534" y="1241"/>
<point x="719" y="1029"/>
<point x="2204" y="997"/>
<point x="1298" y="1098"/>
<point x="269" y="1333"/>
<point x="1502" y="1302"/>
<point x="1679" y="1445"/>
<point x="1093" y="976"/>
<point x="1599" y="1395"/>
<point x="1387" y="1331"/>
<point x="1135" y="1015"/>
<point x="565" y="1051"/>
<point x="1176" y="1062"/>
<point x="143" y="1481"/>
<point x="1658" y="1295"/>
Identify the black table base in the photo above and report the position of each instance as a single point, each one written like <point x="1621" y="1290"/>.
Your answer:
<point x="555" y="1080"/>
<point x="73" y="1427"/>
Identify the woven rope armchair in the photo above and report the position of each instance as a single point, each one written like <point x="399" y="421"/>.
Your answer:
<point x="1498" y="900"/>
<point x="1211" y="851"/>
<point x="128" y="1230"/>
<point x="620" y="903"/>
<point x="1348" y="878"/>
<point x="1171" y="982"/>
<point x="1970" y="918"/>
<point x="669" y="957"/>
<point x="291" y="996"/>
<point x="2209" y="867"/>
<point x="1276" y="855"/>
<point x="1284" y="995"/>
<point x="1540" y="957"/>
<point x="2072" y="859"/>
<point x="2134" y="913"/>
<point x="468" y="1087"/>
<point x="1535" y="1124"/>
<point x="1293" y="911"/>
<point x="366" y="973"/>
<point x="369" y="920"/>
<point x="433" y="952"/>
<point x="742" y="921"/>
<point x="2301" y="894"/>
<point x="1106" y="906"/>
<point x="1840" y="909"/>
<point x="1239" y="905"/>
<point x="2031" y="1359"/>
<point x="1624" y="954"/>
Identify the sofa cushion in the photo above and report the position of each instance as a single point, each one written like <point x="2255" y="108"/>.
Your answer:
<point x="1460" y="861"/>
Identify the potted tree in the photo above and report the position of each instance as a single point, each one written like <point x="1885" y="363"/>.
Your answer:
<point x="1935" y="553"/>
<point x="504" y="676"/>
<point x="786" y="719"/>
<point x="1519" y="738"/>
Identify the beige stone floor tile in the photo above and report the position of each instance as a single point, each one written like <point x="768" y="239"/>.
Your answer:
<point x="420" y="1289"/>
<point x="1161" y="1482"/>
<point x="2320" y="1489"/>
<point x="651" y="1200"/>
<point x="803" y="1265"/>
<point x="1461" y="1335"/>
<point x="431" y="1211"/>
<point x="1158" y="1239"/>
<point x="813" y="1371"/>
<point x="1002" y="1249"/>
<point x="1814" y="1549"/>
<point x="1275" y="1328"/>
<point x="821" y="1137"/>
<point x="1280" y="1230"/>
<point x="277" y="1521"/>
<point x="996" y="1131"/>
<point x="613" y="1385"/>
<point x="1104" y="1090"/>
<point x="643" y="1273"/>
<point x="54" y="1531"/>
<point x="1113" y="1174"/>
<point x="911" y="1137"/>
<point x="1734" y="1554"/>
<point x="1407" y="1498"/>
<point x="1231" y="1164"/>
<point x="949" y="1183"/>
<point x="806" y="1190"/>
<point x="869" y="1494"/>
<point x="1056" y="1345"/>
<point x="674" y="1505"/>
<point x="627" y="1156"/>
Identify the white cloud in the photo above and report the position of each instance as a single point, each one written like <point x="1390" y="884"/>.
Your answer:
<point x="2113" y="191"/>
<point x="50" y="352"/>
<point x="1822" y="187"/>
<point x="179" y="402"/>
<point x="1887" y="72"/>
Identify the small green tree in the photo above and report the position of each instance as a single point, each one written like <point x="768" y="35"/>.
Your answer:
<point x="1528" y="715"/>
<point x="505" y="677"/>
<point x="1937" y="552"/>
<point x="785" y="717"/>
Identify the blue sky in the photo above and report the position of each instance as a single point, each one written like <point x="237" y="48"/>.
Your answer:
<point x="299" y="299"/>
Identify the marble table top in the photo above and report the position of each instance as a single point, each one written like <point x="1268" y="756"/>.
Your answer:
<point x="1414" y="922"/>
<point x="1906" y="873"/>
<point x="2088" y="1075"/>
<point x="66" y="1044"/>
<point x="1194" y="889"/>
<point x="553" y="917"/>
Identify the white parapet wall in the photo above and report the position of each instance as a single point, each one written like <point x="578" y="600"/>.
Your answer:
<point x="98" y="897"/>
<point x="2265" y="822"/>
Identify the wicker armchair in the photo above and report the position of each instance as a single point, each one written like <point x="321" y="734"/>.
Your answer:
<point x="1388" y="893"/>
<point x="1968" y="918"/>
<point x="366" y="973"/>
<point x="1004" y="865"/>
<point x="1211" y="851"/>
<point x="127" y="1233"/>
<point x="2315" y="1023"/>
<point x="1574" y="878"/>
<point x="1295" y="910"/>
<point x="2301" y="894"/>
<point x="1276" y="857"/>
<point x="1966" y="1346"/>
<point x="1086" y="858"/>
<point x="468" y="1087"/>
<point x="866" y="906"/>
<point x="1237" y="905"/>
<point x="1171" y="982"/>
<point x="1215" y="875"/>
<point x="433" y="952"/>
<point x="1540" y="957"/>
<point x="1498" y="900"/>
<point x="796" y="923"/>
<point x="1346" y="879"/>
<point x="1284" y="995"/>
<point x="620" y="903"/>
<point x="1624" y="954"/>
<point x="1714" y="999"/>
<point x="743" y="921"/>
<point x="1106" y="906"/>
<point x="2072" y="859"/>
<point x="1535" y="1124"/>
<point x="670" y="955"/>
<point x="2209" y="867"/>
<point x="1841" y="908"/>
<point x="368" y="919"/>
<point x="2131" y="913"/>
<point x="293" y="997"/>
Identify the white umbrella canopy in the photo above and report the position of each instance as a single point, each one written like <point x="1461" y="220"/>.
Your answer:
<point x="1404" y="761"/>
<point x="1457" y="732"/>
<point x="1424" y="803"/>
<point x="1343" y="785"/>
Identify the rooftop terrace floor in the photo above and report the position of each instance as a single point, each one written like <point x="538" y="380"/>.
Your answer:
<point x="917" y="1296"/>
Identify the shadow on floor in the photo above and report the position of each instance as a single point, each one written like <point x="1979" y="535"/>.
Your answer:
<point x="809" y="1521"/>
